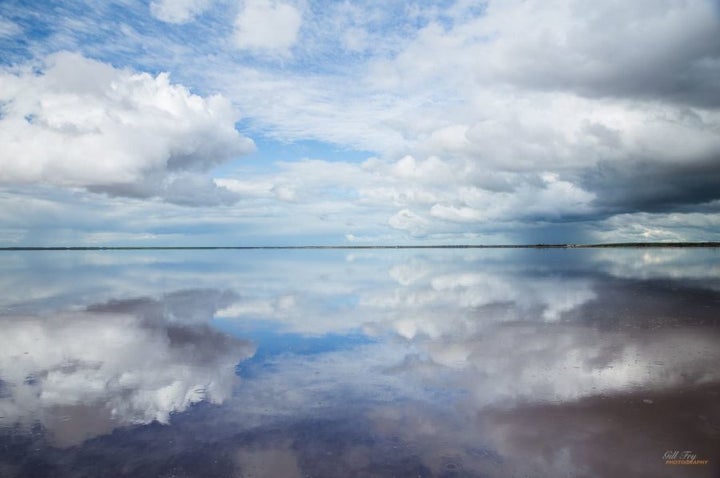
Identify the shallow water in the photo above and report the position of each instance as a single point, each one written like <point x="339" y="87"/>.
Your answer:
<point x="336" y="363"/>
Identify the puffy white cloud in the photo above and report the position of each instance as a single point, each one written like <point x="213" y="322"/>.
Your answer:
<point x="267" y="26"/>
<point x="413" y="196"/>
<point x="178" y="11"/>
<point x="79" y="122"/>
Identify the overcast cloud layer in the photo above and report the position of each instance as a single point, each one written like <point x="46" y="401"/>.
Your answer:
<point x="517" y="122"/>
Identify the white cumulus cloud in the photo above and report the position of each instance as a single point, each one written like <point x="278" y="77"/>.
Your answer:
<point x="267" y="26"/>
<point x="83" y="123"/>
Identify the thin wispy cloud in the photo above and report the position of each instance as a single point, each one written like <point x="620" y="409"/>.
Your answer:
<point x="178" y="11"/>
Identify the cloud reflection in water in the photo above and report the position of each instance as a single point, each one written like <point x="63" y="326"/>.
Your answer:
<point x="83" y="373"/>
<point x="468" y="363"/>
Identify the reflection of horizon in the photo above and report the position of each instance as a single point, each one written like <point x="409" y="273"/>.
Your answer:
<point x="83" y="373"/>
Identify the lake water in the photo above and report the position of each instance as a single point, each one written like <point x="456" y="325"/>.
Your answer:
<point x="338" y="363"/>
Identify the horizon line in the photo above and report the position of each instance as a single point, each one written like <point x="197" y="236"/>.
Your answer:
<point x="709" y="244"/>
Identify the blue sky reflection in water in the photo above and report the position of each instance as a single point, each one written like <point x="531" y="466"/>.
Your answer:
<point x="359" y="363"/>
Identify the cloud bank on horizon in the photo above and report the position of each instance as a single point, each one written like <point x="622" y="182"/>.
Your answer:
<point x="299" y="121"/>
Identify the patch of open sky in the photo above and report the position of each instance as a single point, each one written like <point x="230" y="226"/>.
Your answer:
<point x="387" y="27"/>
<point x="123" y="35"/>
<point x="137" y="40"/>
<point x="31" y="26"/>
<point x="129" y="36"/>
<point x="271" y="151"/>
<point x="46" y="27"/>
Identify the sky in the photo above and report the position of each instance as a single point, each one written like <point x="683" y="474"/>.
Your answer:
<point x="295" y="122"/>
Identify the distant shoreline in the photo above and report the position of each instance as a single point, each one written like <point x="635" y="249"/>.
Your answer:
<point x="635" y="245"/>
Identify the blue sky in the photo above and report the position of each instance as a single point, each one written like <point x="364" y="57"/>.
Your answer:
<point x="249" y="122"/>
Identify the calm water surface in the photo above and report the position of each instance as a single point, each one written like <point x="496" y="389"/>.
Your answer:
<point x="447" y="363"/>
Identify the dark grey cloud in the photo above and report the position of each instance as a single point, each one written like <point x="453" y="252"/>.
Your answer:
<point x="659" y="50"/>
<point x="651" y="186"/>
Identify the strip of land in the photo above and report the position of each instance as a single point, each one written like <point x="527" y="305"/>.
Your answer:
<point x="437" y="246"/>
